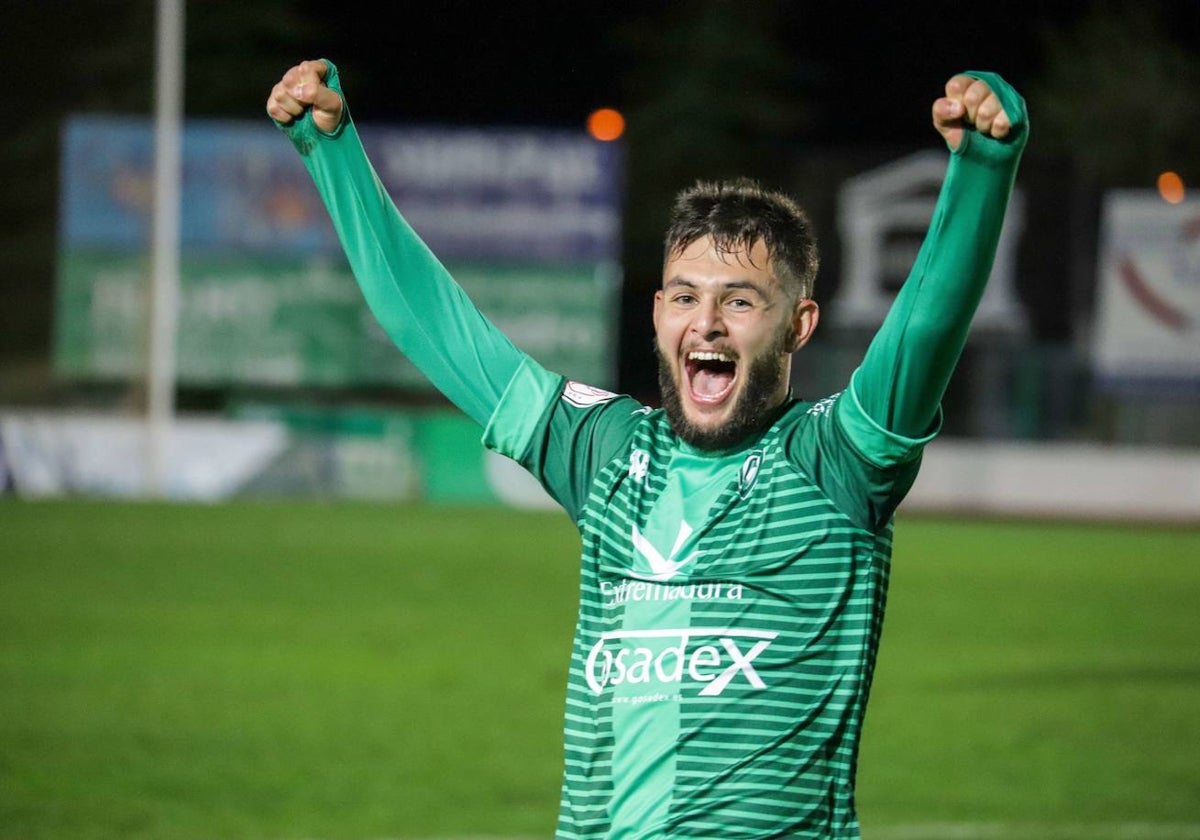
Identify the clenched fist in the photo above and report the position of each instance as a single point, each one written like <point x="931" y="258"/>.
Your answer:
<point x="969" y="103"/>
<point x="301" y="88"/>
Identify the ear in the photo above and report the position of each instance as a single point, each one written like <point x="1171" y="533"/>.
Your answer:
<point x="658" y="299"/>
<point x="804" y="323"/>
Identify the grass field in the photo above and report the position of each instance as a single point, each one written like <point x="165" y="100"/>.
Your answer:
<point x="353" y="671"/>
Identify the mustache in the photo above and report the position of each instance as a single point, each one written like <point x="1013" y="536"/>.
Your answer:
<point x="752" y="411"/>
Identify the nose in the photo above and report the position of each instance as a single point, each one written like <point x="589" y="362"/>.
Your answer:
<point x="708" y="323"/>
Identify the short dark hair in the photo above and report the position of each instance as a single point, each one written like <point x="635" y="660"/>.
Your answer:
<point x="739" y="213"/>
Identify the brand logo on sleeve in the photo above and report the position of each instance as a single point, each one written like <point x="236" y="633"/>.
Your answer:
<point x="824" y="406"/>
<point x="585" y="396"/>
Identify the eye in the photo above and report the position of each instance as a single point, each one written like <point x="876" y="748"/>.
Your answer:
<point x="739" y="304"/>
<point x="684" y="299"/>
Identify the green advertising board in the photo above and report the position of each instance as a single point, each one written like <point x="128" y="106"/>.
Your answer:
<point x="274" y="322"/>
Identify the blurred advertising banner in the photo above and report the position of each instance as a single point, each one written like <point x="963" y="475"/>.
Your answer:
<point x="1147" y="336"/>
<point x="527" y="221"/>
<point x="280" y="321"/>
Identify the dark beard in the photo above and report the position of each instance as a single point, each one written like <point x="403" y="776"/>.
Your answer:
<point x="752" y="413"/>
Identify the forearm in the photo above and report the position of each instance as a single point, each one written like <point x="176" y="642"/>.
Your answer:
<point x="410" y="293"/>
<point x="909" y="363"/>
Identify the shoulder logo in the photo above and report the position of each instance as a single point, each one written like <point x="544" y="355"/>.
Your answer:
<point x="824" y="406"/>
<point x="662" y="568"/>
<point x="639" y="464"/>
<point x="749" y="472"/>
<point x="585" y="396"/>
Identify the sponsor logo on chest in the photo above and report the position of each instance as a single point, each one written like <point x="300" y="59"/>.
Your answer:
<point x="710" y="657"/>
<point x="662" y="568"/>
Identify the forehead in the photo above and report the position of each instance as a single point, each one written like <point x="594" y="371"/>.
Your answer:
<point x="702" y="260"/>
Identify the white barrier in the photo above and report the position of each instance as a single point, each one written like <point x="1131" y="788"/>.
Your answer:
<point x="49" y="454"/>
<point x="1059" y="480"/>
<point x="53" y="454"/>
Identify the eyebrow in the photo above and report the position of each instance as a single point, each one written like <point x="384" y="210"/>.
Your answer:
<point x="725" y="285"/>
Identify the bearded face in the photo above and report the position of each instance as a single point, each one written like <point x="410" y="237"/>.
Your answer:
<point x="725" y="331"/>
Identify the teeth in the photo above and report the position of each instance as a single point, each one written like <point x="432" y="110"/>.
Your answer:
<point x="708" y="356"/>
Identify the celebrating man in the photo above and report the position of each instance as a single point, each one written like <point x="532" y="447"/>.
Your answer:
<point x="735" y="543"/>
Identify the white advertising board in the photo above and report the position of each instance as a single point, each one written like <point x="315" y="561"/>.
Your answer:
<point x="1147" y="328"/>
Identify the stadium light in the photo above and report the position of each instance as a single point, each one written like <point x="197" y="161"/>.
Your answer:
<point x="1170" y="187"/>
<point x="606" y="124"/>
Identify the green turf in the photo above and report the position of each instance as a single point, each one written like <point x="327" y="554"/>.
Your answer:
<point x="354" y="671"/>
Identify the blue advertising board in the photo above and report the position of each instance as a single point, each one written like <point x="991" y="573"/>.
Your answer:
<point x="501" y="207"/>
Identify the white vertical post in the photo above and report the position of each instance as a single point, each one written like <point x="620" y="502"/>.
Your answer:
<point x="164" y="287"/>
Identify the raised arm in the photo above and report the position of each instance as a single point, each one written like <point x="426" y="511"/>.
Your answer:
<point x="411" y="294"/>
<point x="904" y="374"/>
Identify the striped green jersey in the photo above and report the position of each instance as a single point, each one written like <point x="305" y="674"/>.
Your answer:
<point x="730" y="602"/>
<point x="730" y="609"/>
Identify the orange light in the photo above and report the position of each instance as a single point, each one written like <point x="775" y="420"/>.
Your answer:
<point x="606" y="124"/>
<point x="1170" y="187"/>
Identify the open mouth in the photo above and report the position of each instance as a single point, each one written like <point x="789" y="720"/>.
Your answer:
<point x="710" y="375"/>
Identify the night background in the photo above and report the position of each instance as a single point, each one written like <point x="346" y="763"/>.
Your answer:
<point x="798" y="94"/>
<point x="317" y="608"/>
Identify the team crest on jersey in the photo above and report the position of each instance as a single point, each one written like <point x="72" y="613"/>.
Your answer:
<point x="749" y="473"/>
<point x="586" y="396"/>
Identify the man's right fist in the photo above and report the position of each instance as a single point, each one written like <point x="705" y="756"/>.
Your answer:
<point x="301" y="88"/>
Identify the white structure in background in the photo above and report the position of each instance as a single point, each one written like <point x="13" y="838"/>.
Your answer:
<point x="46" y="454"/>
<point x="882" y="217"/>
<point x="1148" y="303"/>
<point x="164" y="249"/>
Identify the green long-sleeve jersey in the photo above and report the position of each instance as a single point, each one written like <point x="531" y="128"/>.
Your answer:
<point x="730" y="602"/>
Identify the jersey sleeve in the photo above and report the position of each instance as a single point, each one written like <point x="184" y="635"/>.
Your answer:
<point x="563" y="432"/>
<point x="866" y="488"/>
<point x="412" y="296"/>
<point x="892" y="405"/>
